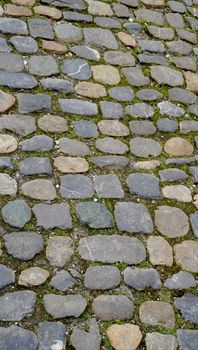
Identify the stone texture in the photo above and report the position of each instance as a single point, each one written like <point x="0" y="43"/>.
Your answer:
<point x="7" y="276"/>
<point x="21" y="125"/>
<point x="8" y="144"/>
<point x="141" y="279"/>
<point x="157" y="313"/>
<point x="144" y="185"/>
<point x="171" y="221"/>
<point x="188" y="306"/>
<point x="71" y="164"/>
<point x="124" y="337"/>
<point x="178" y="192"/>
<point x="166" y="75"/>
<point x="61" y="306"/>
<point x="8" y="185"/>
<point x="76" y="186"/>
<point x="50" y="216"/>
<point x="17" y="305"/>
<point x="144" y="147"/>
<point x="52" y="123"/>
<point x="16" y="213"/>
<point x="59" y="250"/>
<point x="33" y="276"/>
<point x="39" y="189"/>
<point x="186" y="255"/>
<point x="94" y="215"/>
<point x="187" y="338"/>
<point x="51" y="335"/>
<point x="160" y="251"/>
<point x="102" y="277"/>
<point x="177" y="146"/>
<point x="90" y="90"/>
<point x="112" y="307"/>
<point x="164" y="341"/>
<point x="18" y="338"/>
<point x="180" y="280"/>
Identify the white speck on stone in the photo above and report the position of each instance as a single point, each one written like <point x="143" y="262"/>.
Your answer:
<point x="58" y="346"/>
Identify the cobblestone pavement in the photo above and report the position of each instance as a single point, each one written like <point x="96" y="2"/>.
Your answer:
<point x="98" y="175"/>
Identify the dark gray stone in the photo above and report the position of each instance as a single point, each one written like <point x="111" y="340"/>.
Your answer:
<point x="17" y="80"/>
<point x="152" y="59"/>
<point x="119" y="58"/>
<point x="141" y="279"/>
<point x="26" y="45"/>
<point x="108" y="186"/>
<point x="28" y="103"/>
<point x="151" y="45"/>
<point x="19" y="124"/>
<point x="85" y="128"/>
<point x="51" y="335"/>
<point x="4" y="46"/>
<point x="161" y="33"/>
<point x="23" y="245"/>
<point x="102" y="38"/>
<point x="72" y="4"/>
<point x="7" y="276"/>
<point x="76" y="186"/>
<point x="35" y="166"/>
<point x="106" y="22"/>
<point x="87" y="340"/>
<point x="112" y="307"/>
<point x="41" y="28"/>
<point x="166" y="75"/>
<point x="13" y="26"/>
<point x="194" y="172"/>
<point x="144" y="185"/>
<point x="140" y="127"/>
<point x="140" y="110"/>
<point x="175" y="20"/>
<point x="17" y="305"/>
<point x="94" y="215"/>
<point x="179" y="47"/>
<point x="61" y="306"/>
<point x="144" y="15"/>
<point x="187" y="35"/>
<point x="16" y="213"/>
<point x="135" y="76"/>
<point x="148" y="95"/>
<point x="177" y="6"/>
<point x="111" y="145"/>
<point x="110" y="162"/>
<point x="77" y="17"/>
<point x="194" y="223"/>
<point x="170" y="109"/>
<point x="111" y="110"/>
<point x="39" y="143"/>
<point x="188" y="339"/>
<point x="102" y="277"/>
<point x="77" y="69"/>
<point x="187" y="160"/>
<point x="86" y="52"/>
<point x="172" y="174"/>
<point x="187" y="126"/>
<point x="132" y="217"/>
<point x="50" y="216"/>
<point x="5" y="163"/>
<point x="188" y="306"/>
<point x="184" y="62"/>
<point x="182" y="95"/>
<point x="180" y="280"/>
<point x="111" y="249"/>
<point x="123" y="93"/>
<point x="75" y="106"/>
<point x="73" y="147"/>
<point x="68" y="33"/>
<point x="55" y="84"/>
<point x="63" y="281"/>
<point x="17" y="338"/>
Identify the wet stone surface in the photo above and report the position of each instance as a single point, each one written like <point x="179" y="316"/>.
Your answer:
<point x="98" y="175"/>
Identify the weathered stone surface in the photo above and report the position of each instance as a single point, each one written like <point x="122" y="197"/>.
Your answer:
<point x="99" y="8"/>
<point x="110" y="162"/>
<point x="177" y="146"/>
<point x="86" y="340"/>
<point x="192" y="81"/>
<point x="50" y="216"/>
<point x="111" y="145"/>
<point x="119" y="58"/>
<point x="61" y="306"/>
<point x="17" y="80"/>
<point x="157" y="313"/>
<point x="160" y="251"/>
<point x="106" y="74"/>
<point x="180" y="280"/>
<point x="76" y="186"/>
<point x="170" y="109"/>
<point x="102" y="277"/>
<point x="13" y="26"/>
<point x="71" y="164"/>
<point x="108" y="186"/>
<point x="28" y="103"/>
<point x="73" y="147"/>
<point x="144" y="147"/>
<point x="194" y="223"/>
<point x="140" y="110"/>
<point x="188" y="306"/>
<point x="178" y="192"/>
<point x="166" y="75"/>
<point x="86" y="52"/>
<point x="164" y="341"/>
<point x="35" y="166"/>
<point x="113" y="128"/>
<point x="135" y="76"/>
<point x="25" y="45"/>
<point x="187" y="339"/>
<point x="8" y="143"/>
<point x="16" y="213"/>
<point x="17" y="338"/>
<point x="171" y="221"/>
<point x="39" y="189"/>
<point x="55" y="84"/>
<point x="102" y="38"/>
<point x="75" y="106"/>
<point x="77" y="69"/>
<point x="112" y="248"/>
<point x="54" y="47"/>
<point x="43" y="65"/>
<point x="22" y="125"/>
<point x="41" y="28"/>
<point x="6" y="101"/>
<point x="37" y="143"/>
<point x="94" y="215"/>
<point x="52" y="123"/>
<point x="123" y="93"/>
<point x="139" y="127"/>
<point x="17" y="305"/>
<point x="8" y="185"/>
<point x="68" y="33"/>
<point x="63" y="281"/>
<point x="112" y="307"/>
<point x="124" y="337"/>
<point x="85" y="128"/>
<point x="186" y="255"/>
<point x="51" y="334"/>
<point x="127" y="39"/>
<point x="90" y="90"/>
<point x="23" y="245"/>
<point x="141" y="279"/>
<point x="48" y="11"/>
<point x="111" y="110"/>
<point x="7" y="276"/>
<point x="146" y="15"/>
<point x="144" y="185"/>
<point x="33" y="276"/>
<point x="161" y="33"/>
<point x="133" y="217"/>
<point x="59" y="250"/>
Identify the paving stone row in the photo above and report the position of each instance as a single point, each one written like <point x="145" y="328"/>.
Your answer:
<point x="98" y="175"/>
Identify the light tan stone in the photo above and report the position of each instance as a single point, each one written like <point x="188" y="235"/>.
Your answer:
<point x="147" y="164"/>
<point x="186" y="255"/>
<point x="39" y="189"/>
<point x="71" y="164"/>
<point x="6" y="101"/>
<point x="157" y="313"/>
<point x="127" y="39"/>
<point x="52" y="123"/>
<point x="13" y="10"/>
<point x="8" y="143"/>
<point x="113" y="128"/>
<point x="124" y="337"/>
<point x="192" y="81"/>
<point x="33" y="276"/>
<point x="160" y="251"/>
<point x="195" y="198"/>
<point x="54" y="47"/>
<point x="90" y="90"/>
<point x="177" y="146"/>
<point x="24" y="2"/>
<point x="106" y="74"/>
<point x="178" y="192"/>
<point x="51" y="12"/>
<point x="153" y="3"/>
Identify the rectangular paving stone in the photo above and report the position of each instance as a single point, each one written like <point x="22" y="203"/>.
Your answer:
<point x="17" y="80"/>
<point x="28" y="103"/>
<point x="13" y="26"/>
<point x="41" y="28"/>
<point x="75" y="106"/>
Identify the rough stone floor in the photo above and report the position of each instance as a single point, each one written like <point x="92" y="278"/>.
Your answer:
<point x="98" y="175"/>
